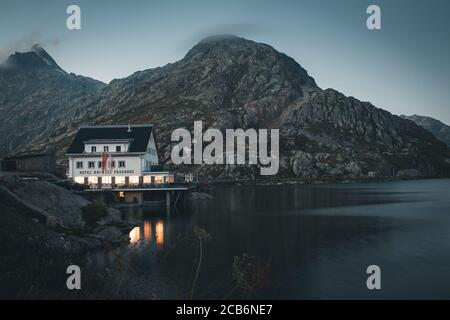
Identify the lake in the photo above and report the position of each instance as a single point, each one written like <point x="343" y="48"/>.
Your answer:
<point x="316" y="241"/>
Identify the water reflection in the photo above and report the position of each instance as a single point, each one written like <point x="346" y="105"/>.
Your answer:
<point x="159" y="234"/>
<point x="135" y="235"/>
<point x="320" y="238"/>
<point x="147" y="231"/>
<point x="143" y="236"/>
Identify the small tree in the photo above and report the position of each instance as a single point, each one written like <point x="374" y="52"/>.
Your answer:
<point x="201" y="235"/>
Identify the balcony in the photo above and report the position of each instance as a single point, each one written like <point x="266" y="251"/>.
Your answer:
<point x="160" y="168"/>
<point x="148" y="186"/>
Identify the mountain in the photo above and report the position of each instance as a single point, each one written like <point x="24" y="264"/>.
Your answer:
<point x="230" y="82"/>
<point x="35" y="93"/>
<point x="439" y="129"/>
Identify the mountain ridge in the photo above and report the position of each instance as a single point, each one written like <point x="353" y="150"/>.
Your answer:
<point x="233" y="82"/>
<point x="438" y="128"/>
<point x="35" y="93"/>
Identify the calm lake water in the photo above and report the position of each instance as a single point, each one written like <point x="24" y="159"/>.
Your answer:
<point x="320" y="239"/>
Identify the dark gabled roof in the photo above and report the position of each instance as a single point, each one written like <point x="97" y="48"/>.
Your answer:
<point x="139" y="136"/>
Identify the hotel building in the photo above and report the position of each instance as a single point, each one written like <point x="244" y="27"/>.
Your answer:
<point x="116" y="157"/>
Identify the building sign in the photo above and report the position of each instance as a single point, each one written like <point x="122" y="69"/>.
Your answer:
<point x="107" y="172"/>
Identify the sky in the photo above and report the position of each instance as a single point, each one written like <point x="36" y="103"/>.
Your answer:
<point x="402" y="68"/>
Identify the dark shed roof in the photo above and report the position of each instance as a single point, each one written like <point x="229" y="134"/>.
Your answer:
<point x="139" y="136"/>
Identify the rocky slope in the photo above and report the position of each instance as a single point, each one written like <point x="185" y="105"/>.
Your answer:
<point x="439" y="129"/>
<point x="230" y="82"/>
<point x="35" y="94"/>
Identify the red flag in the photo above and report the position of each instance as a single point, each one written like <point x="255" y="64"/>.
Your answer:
<point x="104" y="161"/>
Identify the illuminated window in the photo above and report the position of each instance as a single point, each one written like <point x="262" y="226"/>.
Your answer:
<point x="92" y="180"/>
<point x="159" y="179"/>
<point x="106" y="180"/>
<point x="79" y="180"/>
<point x="120" y="180"/>
<point x="147" y="179"/>
<point x="134" y="180"/>
<point x="170" y="179"/>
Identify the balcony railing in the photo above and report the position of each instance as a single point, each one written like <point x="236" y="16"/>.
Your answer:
<point x="137" y="186"/>
<point x="160" y="168"/>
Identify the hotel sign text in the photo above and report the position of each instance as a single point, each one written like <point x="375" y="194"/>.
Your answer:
<point x="108" y="172"/>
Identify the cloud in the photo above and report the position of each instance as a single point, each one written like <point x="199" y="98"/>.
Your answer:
<point x="247" y="30"/>
<point x="25" y="44"/>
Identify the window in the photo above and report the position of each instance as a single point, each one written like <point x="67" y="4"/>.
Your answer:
<point x="91" y="164"/>
<point x="113" y="164"/>
<point x="79" y="180"/>
<point x="93" y="149"/>
<point x="99" y="164"/>
<point x="92" y="180"/>
<point x="133" y="180"/>
<point x="105" y="148"/>
<point x="79" y="165"/>
<point x="121" y="164"/>
<point x="120" y="180"/>
<point x="147" y="180"/>
<point x="118" y="149"/>
<point x="106" y="180"/>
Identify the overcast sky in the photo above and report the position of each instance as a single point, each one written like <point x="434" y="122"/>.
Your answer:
<point x="402" y="68"/>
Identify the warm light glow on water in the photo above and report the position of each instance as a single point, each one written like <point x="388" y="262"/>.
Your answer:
<point x="159" y="233"/>
<point x="147" y="232"/>
<point x="135" y="235"/>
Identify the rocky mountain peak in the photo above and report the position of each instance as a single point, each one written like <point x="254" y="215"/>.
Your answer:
<point x="224" y="52"/>
<point x="36" y="58"/>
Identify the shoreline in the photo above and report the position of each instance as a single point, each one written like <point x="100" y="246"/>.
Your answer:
<point x="287" y="181"/>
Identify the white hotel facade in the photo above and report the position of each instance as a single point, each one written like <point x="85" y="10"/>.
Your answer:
<point x="115" y="157"/>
